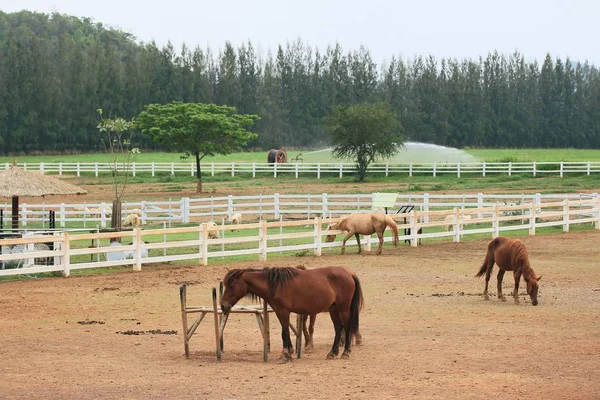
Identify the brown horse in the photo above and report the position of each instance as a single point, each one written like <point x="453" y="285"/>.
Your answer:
<point x="309" y="329"/>
<point x="303" y="292"/>
<point x="364" y="224"/>
<point x="510" y="255"/>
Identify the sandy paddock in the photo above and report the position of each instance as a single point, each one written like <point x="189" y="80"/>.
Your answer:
<point x="427" y="331"/>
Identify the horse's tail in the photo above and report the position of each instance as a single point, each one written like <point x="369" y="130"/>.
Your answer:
<point x="389" y="221"/>
<point x="355" y="307"/>
<point x="489" y="258"/>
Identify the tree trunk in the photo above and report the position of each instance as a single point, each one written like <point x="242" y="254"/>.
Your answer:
<point x="115" y="218"/>
<point x="198" y="174"/>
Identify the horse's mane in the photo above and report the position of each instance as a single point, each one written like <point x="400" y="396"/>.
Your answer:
<point x="523" y="257"/>
<point x="276" y="277"/>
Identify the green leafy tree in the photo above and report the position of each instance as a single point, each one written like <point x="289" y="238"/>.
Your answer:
<point x="197" y="129"/>
<point x="364" y="133"/>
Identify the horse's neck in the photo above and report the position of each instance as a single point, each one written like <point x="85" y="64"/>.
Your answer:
<point x="257" y="284"/>
<point x="527" y="271"/>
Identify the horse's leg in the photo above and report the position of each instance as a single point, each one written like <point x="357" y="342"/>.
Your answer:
<point x="305" y="330"/>
<point x="358" y="338"/>
<point x="488" y="273"/>
<point x="348" y="236"/>
<point x="500" y="276"/>
<point x="358" y="241"/>
<point x="337" y="324"/>
<point x="517" y="281"/>
<point x="380" y="236"/>
<point x="284" y="319"/>
<point x="345" y="317"/>
<point x="308" y="331"/>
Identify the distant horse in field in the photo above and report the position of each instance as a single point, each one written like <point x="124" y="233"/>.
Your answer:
<point x="309" y="329"/>
<point x="304" y="292"/>
<point x="364" y="224"/>
<point x="510" y="255"/>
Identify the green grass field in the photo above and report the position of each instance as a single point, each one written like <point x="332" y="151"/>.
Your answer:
<point x="410" y="154"/>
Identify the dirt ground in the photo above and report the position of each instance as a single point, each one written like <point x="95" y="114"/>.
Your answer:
<point x="428" y="332"/>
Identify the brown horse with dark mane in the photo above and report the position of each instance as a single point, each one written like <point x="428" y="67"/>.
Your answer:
<point x="309" y="329"/>
<point x="510" y="255"/>
<point x="364" y="224"/>
<point x="304" y="292"/>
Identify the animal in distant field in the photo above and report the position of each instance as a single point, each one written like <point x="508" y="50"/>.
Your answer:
<point x="509" y="255"/>
<point x="136" y="211"/>
<point x="364" y="224"/>
<point x="304" y="292"/>
<point x="450" y="221"/>
<point x="213" y="233"/>
<point x="236" y="219"/>
<point x="132" y="220"/>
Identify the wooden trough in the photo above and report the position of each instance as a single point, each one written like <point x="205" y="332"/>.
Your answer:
<point x="261" y="312"/>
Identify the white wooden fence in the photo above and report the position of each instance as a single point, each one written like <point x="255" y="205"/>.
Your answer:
<point x="70" y="251"/>
<point x="258" y="207"/>
<point x="559" y="168"/>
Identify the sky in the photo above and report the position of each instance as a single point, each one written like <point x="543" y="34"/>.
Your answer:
<point x="454" y="28"/>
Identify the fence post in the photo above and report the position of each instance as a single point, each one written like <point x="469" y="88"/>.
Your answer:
<point x="212" y="169"/>
<point x="458" y="169"/>
<point x="78" y="169"/>
<point x="138" y="249"/>
<point x="263" y="240"/>
<point x="434" y="172"/>
<point x="597" y="211"/>
<point x="410" y="169"/>
<point x="274" y="170"/>
<point x="588" y="168"/>
<point x="413" y="228"/>
<point x="341" y="169"/>
<point x="204" y="232"/>
<point x="96" y="169"/>
<point x="318" y="237"/>
<point x="66" y="256"/>
<point x="42" y="168"/>
<point x="253" y="170"/>
<point x="561" y="169"/>
<point x="532" y="219"/>
<point x="496" y="222"/>
<point x="229" y="207"/>
<point x="23" y="214"/>
<point x="510" y="168"/>
<point x="483" y="168"/>
<point x="185" y="210"/>
<point x="318" y="170"/>
<point x="566" y="215"/>
<point x="296" y="170"/>
<point x="387" y="169"/>
<point x="456" y="237"/>
<point x="103" y="215"/>
<point x="153" y="168"/>
<point x="191" y="169"/>
<point x="324" y="205"/>
<point x="534" y="166"/>
<point x="61" y="215"/>
<point x="426" y="206"/>
<point x="276" y="205"/>
<point x="144" y="214"/>
<point x="233" y="169"/>
<point x="60" y="168"/>
<point x="479" y="203"/>
<point x="133" y="168"/>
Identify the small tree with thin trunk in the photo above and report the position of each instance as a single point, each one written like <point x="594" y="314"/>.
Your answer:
<point x="116" y="138"/>
<point x="198" y="130"/>
<point x="364" y="133"/>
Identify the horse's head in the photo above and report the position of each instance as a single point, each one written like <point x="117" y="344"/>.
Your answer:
<point x="235" y="289"/>
<point x="331" y="227"/>
<point x="532" y="289"/>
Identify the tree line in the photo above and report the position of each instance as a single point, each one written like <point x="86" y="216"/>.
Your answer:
<point x="57" y="70"/>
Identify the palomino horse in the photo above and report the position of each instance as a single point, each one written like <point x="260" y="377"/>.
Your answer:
<point x="303" y="292"/>
<point x="510" y="255"/>
<point x="364" y="224"/>
<point x="309" y="329"/>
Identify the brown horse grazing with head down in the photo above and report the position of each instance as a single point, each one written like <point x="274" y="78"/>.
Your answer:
<point x="510" y="255"/>
<point x="364" y="224"/>
<point x="303" y="292"/>
<point x="309" y="329"/>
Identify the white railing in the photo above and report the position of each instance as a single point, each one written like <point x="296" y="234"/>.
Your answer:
<point x="559" y="168"/>
<point x="257" y="207"/>
<point x="67" y="251"/>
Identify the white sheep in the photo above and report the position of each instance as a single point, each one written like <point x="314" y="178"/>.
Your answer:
<point x="450" y="219"/>
<point x="213" y="233"/>
<point x="136" y="211"/>
<point x="132" y="220"/>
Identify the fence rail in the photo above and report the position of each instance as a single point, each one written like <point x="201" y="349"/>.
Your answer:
<point x="68" y="251"/>
<point x="257" y="207"/>
<point x="559" y="168"/>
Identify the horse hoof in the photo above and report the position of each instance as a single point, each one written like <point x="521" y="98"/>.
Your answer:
<point x="502" y="298"/>
<point x="345" y="356"/>
<point x="284" y="359"/>
<point x="486" y="297"/>
<point x="330" y="356"/>
<point x="358" y="342"/>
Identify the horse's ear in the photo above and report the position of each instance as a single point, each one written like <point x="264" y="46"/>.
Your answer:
<point x="540" y="277"/>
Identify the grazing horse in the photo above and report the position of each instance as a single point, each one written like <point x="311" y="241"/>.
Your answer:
<point x="364" y="224"/>
<point x="510" y="255"/>
<point x="303" y="292"/>
<point x="309" y="329"/>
